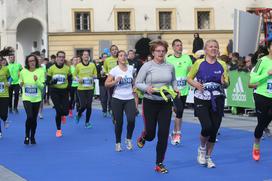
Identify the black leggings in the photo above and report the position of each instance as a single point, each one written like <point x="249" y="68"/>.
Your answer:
<point x="4" y="102"/>
<point x="157" y="112"/>
<point x="179" y="105"/>
<point x="210" y="121"/>
<point x="85" y="102"/>
<point x="118" y="107"/>
<point x="60" y="99"/>
<point x="104" y="98"/>
<point x="31" y="110"/>
<point x="16" y="89"/>
<point x="73" y="98"/>
<point x="110" y="93"/>
<point x="264" y="113"/>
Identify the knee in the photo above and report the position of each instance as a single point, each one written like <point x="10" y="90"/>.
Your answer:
<point x="207" y="131"/>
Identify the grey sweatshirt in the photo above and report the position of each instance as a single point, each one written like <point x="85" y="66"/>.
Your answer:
<point x="156" y="75"/>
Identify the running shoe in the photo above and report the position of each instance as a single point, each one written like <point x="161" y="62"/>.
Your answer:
<point x="88" y="125"/>
<point x="118" y="147"/>
<point x="77" y="118"/>
<point x="210" y="163"/>
<point x="172" y="137"/>
<point x="256" y="153"/>
<point x="59" y="133"/>
<point x="267" y="132"/>
<point x="16" y="110"/>
<point x="26" y="142"/>
<point x="140" y="142"/>
<point x="161" y="168"/>
<point x="70" y="113"/>
<point x="33" y="141"/>
<point x="40" y="116"/>
<point x="6" y="124"/>
<point x="109" y="113"/>
<point x="63" y="119"/>
<point x="129" y="144"/>
<point x="1" y="135"/>
<point x="201" y="156"/>
<point x="104" y="114"/>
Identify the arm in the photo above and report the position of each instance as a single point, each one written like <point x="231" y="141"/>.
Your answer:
<point x="110" y="81"/>
<point x="257" y="75"/>
<point x="191" y="76"/>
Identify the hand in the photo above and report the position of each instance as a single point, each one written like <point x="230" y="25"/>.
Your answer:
<point x="270" y="72"/>
<point x="35" y="77"/>
<point x="223" y="79"/>
<point x="150" y="90"/>
<point x="54" y="81"/>
<point x="22" y="84"/>
<point x="199" y="86"/>
<point x="118" y="79"/>
<point x="80" y="81"/>
<point x="178" y="92"/>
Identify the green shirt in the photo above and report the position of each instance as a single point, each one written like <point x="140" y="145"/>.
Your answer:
<point x="109" y="64"/>
<point x="182" y="66"/>
<point x="14" y="70"/>
<point x="86" y="74"/>
<point x="4" y="74"/>
<point x="60" y="74"/>
<point x="31" y="88"/>
<point x="260" y="76"/>
<point x="75" y="82"/>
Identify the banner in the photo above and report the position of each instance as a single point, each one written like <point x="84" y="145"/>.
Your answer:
<point x="238" y="93"/>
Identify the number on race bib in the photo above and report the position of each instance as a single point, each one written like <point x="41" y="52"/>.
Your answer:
<point x="269" y="86"/>
<point x="31" y="91"/>
<point x="2" y="87"/>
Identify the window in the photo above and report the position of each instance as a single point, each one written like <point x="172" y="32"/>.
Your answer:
<point x="204" y="19"/>
<point x="79" y="52"/>
<point x="165" y="20"/>
<point x="82" y="21"/>
<point x="123" y="21"/>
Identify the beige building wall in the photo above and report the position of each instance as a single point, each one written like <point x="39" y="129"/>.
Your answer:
<point x="144" y="22"/>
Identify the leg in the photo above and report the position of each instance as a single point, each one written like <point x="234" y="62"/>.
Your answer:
<point x="11" y="88"/>
<point x="103" y="98"/>
<point x="130" y="110"/>
<point x="35" y="110"/>
<point x="89" y="97"/>
<point x="16" y="96"/>
<point x="117" y="109"/>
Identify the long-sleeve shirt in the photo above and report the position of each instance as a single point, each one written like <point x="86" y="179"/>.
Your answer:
<point x="260" y="75"/>
<point x="156" y="75"/>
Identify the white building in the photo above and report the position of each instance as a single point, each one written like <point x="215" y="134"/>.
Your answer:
<point x="74" y="25"/>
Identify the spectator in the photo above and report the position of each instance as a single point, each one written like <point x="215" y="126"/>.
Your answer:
<point x="234" y="61"/>
<point x="197" y="43"/>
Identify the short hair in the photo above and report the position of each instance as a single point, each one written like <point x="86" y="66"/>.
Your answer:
<point x="60" y="52"/>
<point x="176" y="40"/>
<point x="53" y="56"/>
<point x="120" y="51"/>
<point x="36" y="60"/>
<point x="210" y="41"/>
<point x="155" y="43"/>
<point x="113" y="46"/>
<point x="236" y="55"/>
<point x="131" y="51"/>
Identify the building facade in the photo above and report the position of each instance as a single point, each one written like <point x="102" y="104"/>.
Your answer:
<point x="76" y="25"/>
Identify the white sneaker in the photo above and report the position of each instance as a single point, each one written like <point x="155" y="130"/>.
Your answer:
<point x="201" y="156"/>
<point x="129" y="144"/>
<point x="40" y="116"/>
<point x="172" y="137"/>
<point x="1" y="135"/>
<point x="210" y="163"/>
<point x="118" y="147"/>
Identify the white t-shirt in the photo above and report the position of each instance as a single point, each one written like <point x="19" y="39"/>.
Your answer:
<point x="123" y="90"/>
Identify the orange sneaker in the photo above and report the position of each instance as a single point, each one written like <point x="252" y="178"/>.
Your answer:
<point x="63" y="119"/>
<point x="59" y="133"/>
<point x="256" y="153"/>
<point x="70" y="113"/>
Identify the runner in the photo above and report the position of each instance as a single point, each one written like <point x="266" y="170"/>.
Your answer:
<point x="262" y="76"/>
<point x="14" y="69"/>
<point x="4" y="95"/>
<point x="85" y="73"/>
<point x="211" y="78"/>
<point x="121" y="78"/>
<point x="73" y="90"/>
<point x="32" y="83"/>
<point x="182" y="64"/>
<point x="157" y="108"/>
<point x="60" y="79"/>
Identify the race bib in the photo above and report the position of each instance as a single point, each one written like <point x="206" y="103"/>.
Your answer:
<point x="2" y="87"/>
<point x="31" y="91"/>
<point x="181" y="83"/>
<point x="60" y="78"/>
<point x="126" y="82"/>
<point x="87" y="82"/>
<point x="75" y="82"/>
<point x="269" y="86"/>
